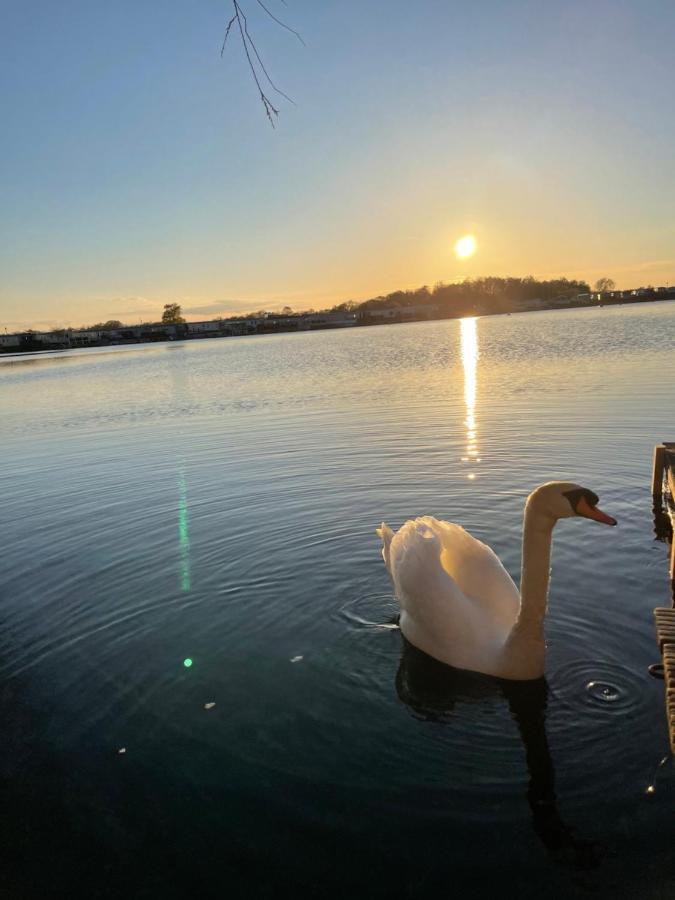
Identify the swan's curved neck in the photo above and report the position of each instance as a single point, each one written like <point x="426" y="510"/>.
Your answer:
<point x="535" y="571"/>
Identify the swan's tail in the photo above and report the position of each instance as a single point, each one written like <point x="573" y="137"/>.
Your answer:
<point x="386" y="534"/>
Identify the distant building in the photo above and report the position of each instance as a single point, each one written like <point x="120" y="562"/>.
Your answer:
<point x="9" y="341"/>
<point x="530" y="303"/>
<point x="328" y="320"/>
<point x="561" y="302"/>
<point x="223" y="327"/>
<point x="202" y="328"/>
<point x="381" y="314"/>
<point x="86" y="338"/>
<point x="53" y="340"/>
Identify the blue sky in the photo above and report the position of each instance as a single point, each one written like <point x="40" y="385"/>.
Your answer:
<point x="138" y="168"/>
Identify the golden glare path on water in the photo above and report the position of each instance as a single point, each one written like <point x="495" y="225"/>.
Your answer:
<point x="469" y="349"/>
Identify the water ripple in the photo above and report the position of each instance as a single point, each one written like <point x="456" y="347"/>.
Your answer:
<point x="599" y="688"/>
<point x="262" y="467"/>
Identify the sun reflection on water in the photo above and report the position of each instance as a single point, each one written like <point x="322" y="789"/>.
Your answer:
<point x="470" y="354"/>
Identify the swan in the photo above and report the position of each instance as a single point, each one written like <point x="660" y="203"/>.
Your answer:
<point x="459" y="604"/>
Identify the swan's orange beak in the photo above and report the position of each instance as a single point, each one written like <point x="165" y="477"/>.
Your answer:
<point x="592" y="512"/>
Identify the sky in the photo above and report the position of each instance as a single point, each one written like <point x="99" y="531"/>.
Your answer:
<point x="138" y="168"/>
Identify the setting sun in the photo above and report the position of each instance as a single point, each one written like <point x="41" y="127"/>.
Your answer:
<point x="465" y="246"/>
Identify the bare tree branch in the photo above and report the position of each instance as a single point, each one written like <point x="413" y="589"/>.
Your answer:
<point x="262" y="65"/>
<point x="227" y="31"/>
<point x="283" y="24"/>
<point x="249" y="46"/>
<point x="269" y="107"/>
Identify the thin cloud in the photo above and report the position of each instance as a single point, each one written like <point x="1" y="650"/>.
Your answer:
<point x="656" y="264"/>
<point x="217" y="307"/>
<point x="24" y="325"/>
<point x="131" y="306"/>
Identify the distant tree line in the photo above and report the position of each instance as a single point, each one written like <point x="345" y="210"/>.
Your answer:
<point x="110" y="325"/>
<point x="473" y="296"/>
<point x="481" y="296"/>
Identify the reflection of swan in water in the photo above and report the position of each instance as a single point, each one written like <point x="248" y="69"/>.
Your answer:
<point x="432" y="690"/>
<point x="458" y="602"/>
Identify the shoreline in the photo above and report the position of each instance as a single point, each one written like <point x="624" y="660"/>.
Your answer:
<point x="271" y="327"/>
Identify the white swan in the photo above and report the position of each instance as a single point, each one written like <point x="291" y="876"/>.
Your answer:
<point x="458" y="602"/>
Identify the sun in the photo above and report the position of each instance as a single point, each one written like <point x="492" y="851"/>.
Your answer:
<point x="465" y="246"/>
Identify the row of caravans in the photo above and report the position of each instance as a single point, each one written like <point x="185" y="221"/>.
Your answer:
<point x="68" y="338"/>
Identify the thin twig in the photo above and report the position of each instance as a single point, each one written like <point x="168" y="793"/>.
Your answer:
<point x="268" y="105"/>
<point x="249" y="45"/>
<point x="283" y="24"/>
<point x="262" y="64"/>
<point x="227" y="31"/>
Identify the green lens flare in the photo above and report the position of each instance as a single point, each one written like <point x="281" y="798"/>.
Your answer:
<point x="183" y="532"/>
<point x="187" y="662"/>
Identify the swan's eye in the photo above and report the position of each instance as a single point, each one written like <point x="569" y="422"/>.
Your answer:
<point x="577" y="494"/>
<point x="592" y="498"/>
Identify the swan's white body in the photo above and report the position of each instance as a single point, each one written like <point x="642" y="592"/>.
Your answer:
<point x="458" y="602"/>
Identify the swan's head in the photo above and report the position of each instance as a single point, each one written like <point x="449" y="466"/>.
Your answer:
<point x="564" y="499"/>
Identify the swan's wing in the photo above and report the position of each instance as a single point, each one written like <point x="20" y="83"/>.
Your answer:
<point x="416" y="568"/>
<point x="457" y="600"/>
<point x="475" y="567"/>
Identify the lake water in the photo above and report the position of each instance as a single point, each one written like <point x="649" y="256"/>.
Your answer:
<point x="216" y="501"/>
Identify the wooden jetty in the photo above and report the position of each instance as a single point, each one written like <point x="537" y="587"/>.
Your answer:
<point x="663" y="490"/>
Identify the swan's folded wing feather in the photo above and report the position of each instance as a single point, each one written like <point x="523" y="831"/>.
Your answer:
<point x="416" y="567"/>
<point x="475" y="567"/>
<point x="457" y="600"/>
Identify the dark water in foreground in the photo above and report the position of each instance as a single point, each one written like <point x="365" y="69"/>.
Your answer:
<point x="216" y="501"/>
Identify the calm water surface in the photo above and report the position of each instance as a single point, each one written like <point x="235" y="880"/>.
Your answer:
<point x="216" y="501"/>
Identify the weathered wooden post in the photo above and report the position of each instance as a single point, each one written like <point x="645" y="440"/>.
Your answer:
<point x="664" y="469"/>
<point x="658" y="470"/>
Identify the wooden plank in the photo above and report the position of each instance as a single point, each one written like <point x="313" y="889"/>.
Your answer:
<point x="670" y="507"/>
<point x="664" y="471"/>
<point x="670" y="473"/>
<point x="658" y="467"/>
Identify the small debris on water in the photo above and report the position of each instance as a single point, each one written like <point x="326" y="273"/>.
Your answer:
<point x="296" y="658"/>
<point x="122" y="750"/>
<point x="209" y="705"/>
